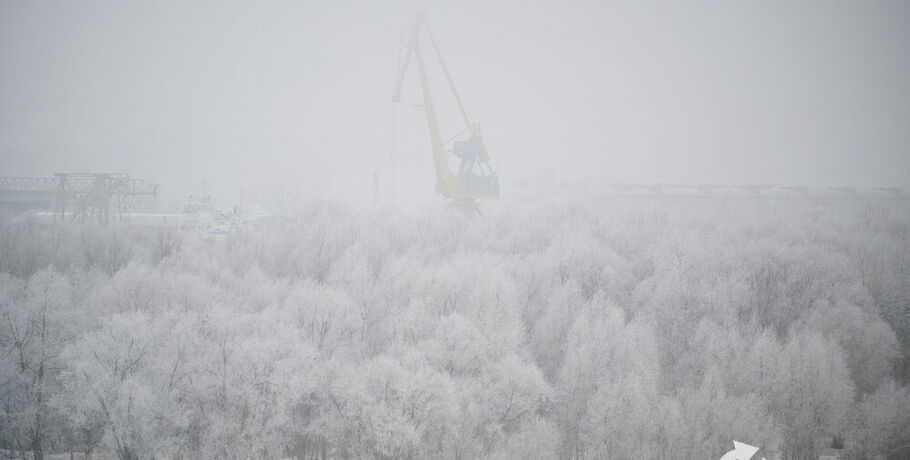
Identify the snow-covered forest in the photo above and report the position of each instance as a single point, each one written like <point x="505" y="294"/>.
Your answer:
<point x="547" y="328"/>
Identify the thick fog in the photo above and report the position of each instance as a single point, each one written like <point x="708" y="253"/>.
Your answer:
<point x="297" y="94"/>
<point x="681" y="230"/>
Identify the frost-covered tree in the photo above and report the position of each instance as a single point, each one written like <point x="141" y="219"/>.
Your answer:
<point x="548" y="328"/>
<point x="880" y="425"/>
<point x="127" y="374"/>
<point x="37" y="320"/>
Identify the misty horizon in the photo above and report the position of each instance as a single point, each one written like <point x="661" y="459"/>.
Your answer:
<point x="230" y="95"/>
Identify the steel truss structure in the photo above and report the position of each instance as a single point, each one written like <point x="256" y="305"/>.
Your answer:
<point x="82" y="197"/>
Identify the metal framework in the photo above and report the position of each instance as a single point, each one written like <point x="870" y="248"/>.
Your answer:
<point x="80" y="196"/>
<point x="27" y="184"/>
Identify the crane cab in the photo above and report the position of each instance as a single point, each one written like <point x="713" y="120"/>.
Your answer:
<point x="477" y="179"/>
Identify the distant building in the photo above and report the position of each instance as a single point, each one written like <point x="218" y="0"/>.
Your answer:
<point x="198" y="204"/>
<point x="832" y="454"/>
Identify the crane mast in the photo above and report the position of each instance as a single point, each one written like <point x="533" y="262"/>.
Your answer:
<point x="474" y="179"/>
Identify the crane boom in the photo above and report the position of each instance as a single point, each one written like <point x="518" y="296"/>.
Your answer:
<point x="445" y="71"/>
<point x="475" y="178"/>
<point x="402" y="69"/>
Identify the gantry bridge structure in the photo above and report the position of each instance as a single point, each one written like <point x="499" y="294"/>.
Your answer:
<point x="99" y="197"/>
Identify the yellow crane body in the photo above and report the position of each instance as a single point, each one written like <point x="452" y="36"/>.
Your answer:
<point x="474" y="179"/>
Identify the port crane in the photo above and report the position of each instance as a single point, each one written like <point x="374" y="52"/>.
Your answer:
<point x="474" y="179"/>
